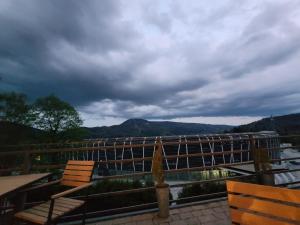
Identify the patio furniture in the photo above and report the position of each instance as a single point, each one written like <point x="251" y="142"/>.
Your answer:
<point x="260" y="204"/>
<point x="77" y="174"/>
<point x="11" y="187"/>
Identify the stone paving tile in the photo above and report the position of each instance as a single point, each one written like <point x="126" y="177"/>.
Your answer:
<point x="185" y="209"/>
<point x="186" y="215"/>
<point x="174" y="211"/>
<point x="157" y="220"/>
<point x="145" y="222"/>
<point x="175" y="217"/>
<point x="192" y="221"/>
<point x="199" y="207"/>
<point x="121" y="221"/>
<point x="130" y="223"/>
<point x="208" y="219"/>
<point x="204" y="214"/>
<point x="197" y="213"/>
<point x="148" y="216"/>
<point x="179" y="222"/>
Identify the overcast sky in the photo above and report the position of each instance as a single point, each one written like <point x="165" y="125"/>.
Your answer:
<point x="211" y="61"/>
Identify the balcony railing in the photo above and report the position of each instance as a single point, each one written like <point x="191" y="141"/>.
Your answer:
<point x="131" y="158"/>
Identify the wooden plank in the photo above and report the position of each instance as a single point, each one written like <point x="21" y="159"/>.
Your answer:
<point x="71" y="205"/>
<point x="79" y="167"/>
<point x="44" y="209"/>
<point x="267" y="207"/>
<point x="40" y="213"/>
<point x="282" y="194"/>
<point x="30" y="217"/>
<point x="78" y="162"/>
<point x="71" y="200"/>
<point x="78" y="173"/>
<point x="57" y="207"/>
<point x="65" y="204"/>
<point x="68" y="201"/>
<point x="63" y="207"/>
<point x="77" y="178"/>
<point x="246" y="218"/>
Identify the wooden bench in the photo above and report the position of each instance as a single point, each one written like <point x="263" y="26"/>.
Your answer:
<point x="77" y="174"/>
<point x="260" y="204"/>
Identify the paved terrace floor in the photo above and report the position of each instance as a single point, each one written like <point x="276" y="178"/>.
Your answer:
<point x="204" y="214"/>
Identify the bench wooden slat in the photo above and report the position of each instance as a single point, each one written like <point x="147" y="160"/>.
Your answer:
<point x="79" y="167"/>
<point x="63" y="205"/>
<point x="282" y="194"/>
<point x="77" y="162"/>
<point x="69" y="201"/>
<point x="246" y="218"/>
<point x="72" y="183"/>
<point x="38" y="214"/>
<point x="77" y="178"/>
<point x="41" y="213"/>
<point x="267" y="207"/>
<point x="31" y="217"/>
<point x="57" y="210"/>
<point x="78" y="173"/>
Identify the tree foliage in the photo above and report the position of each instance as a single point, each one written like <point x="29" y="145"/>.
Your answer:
<point x="47" y="119"/>
<point x="54" y="115"/>
<point x="14" y="108"/>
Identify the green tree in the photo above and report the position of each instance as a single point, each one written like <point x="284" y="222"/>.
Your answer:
<point x="14" y="108"/>
<point x="55" y="116"/>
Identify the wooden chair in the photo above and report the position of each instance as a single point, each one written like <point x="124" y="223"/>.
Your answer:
<point x="260" y="204"/>
<point x="77" y="174"/>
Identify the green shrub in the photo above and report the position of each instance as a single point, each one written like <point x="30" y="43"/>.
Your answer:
<point x="201" y="189"/>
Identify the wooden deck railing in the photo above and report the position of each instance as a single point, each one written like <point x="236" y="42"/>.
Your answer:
<point x="223" y="148"/>
<point x="115" y="154"/>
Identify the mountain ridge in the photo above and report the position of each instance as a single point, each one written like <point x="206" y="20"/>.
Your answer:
<point x="284" y="125"/>
<point x="141" y="127"/>
<point x="11" y="133"/>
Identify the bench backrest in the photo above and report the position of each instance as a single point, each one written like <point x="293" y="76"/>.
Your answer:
<point x="77" y="173"/>
<point x="260" y="204"/>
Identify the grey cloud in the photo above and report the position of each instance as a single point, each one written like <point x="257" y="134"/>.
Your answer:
<point x="88" y="52"/>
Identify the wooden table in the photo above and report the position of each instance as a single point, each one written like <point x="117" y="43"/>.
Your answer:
<point x="11" y="184"/>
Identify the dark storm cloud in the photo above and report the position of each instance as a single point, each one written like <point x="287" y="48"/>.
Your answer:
<point x="154" y="59"/>
<point x="54" y="48"/>
<point x="32" y="30"/>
